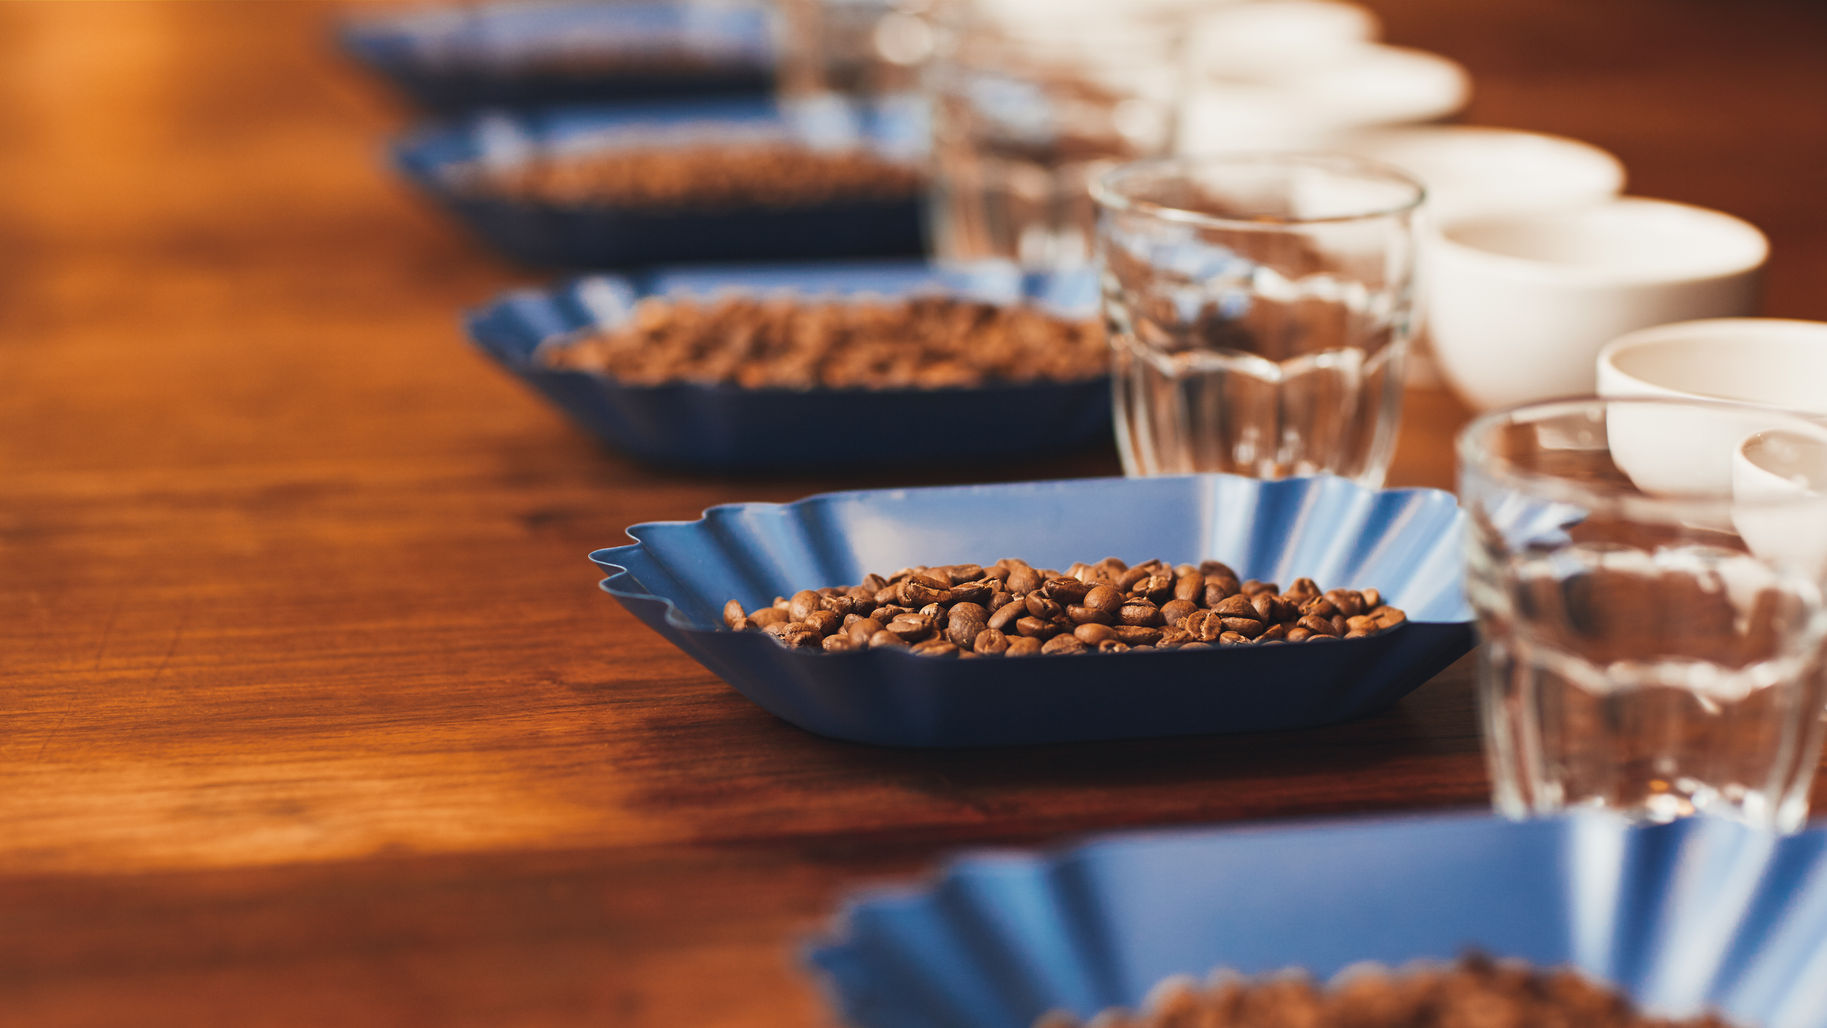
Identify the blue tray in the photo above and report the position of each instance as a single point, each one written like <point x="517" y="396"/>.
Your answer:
<point x="1406" y="542"/>
<point x="452" y="59"/>
<point x="1681" y="917"/>
<point x="597" y="236"/>
<point x="726" y="427"/>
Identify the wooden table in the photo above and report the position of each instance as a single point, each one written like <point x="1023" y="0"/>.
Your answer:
<point x="310" y="710"/>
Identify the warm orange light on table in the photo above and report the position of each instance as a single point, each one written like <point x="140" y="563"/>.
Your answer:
<point x="311" y="710"/>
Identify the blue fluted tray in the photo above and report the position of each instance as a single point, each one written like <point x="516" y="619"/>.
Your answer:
<point x="451" y="59"/>
<point x="597" y="236"/>
<point x="1681" y="917"/>
<point x="1406" y="542"/>
<point x="728" y="427"/>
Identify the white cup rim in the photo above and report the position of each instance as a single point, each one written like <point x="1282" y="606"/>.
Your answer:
<point x="1723" y="332"/>
<point x="1606" y="277"/>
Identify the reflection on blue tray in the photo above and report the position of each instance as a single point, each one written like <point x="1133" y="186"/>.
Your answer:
<point x="1681" y="917"/>
<point x="522" y="54"/>
<point x="728" y="427"/>
<point x="439" y="158"/>
<point x="1405" y="542"/>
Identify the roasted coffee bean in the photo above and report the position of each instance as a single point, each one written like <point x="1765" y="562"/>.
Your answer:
<point x="1249" y="628"/>
<point x="1238" y="606"/>
<point x="803" y="602"/>
<point x="1349" y="602"/>
<point x="1130" y="577"/>
<point x="1138" y="635"/>
<point x="1216" y="567"/>
<point x="1035" y="628"/>
<point x="935" y="647"/>
<point x="1317" y="625"/>
<point x="1104" y="599"/>
<point x="1023" y="579"/>
<point x="1204" y="625"/>
<point x="798" y="635"/>
<point x="1270" y="608"/>
<point x="1189" y="586"/>
<point x="1196" y="645"/>
<point x="1007" y="614"/>
<point x="1157" y="586"/>
<point x="964" y="622"/>
<point x="1319" y="607"/>
<point x="1139" y="612"/>
<point x="1118" y="607"/>
<point x="1174" y="610"/>
<point x="911" y="627"/>
<point x="1372" y="598"/>
<point x="1022" y="646"/>
<point x="1065" y="591"/>
<point x="1041" y="607"/>
<point x="990" y="642"/>
<point x="972" y="592"/>
<point x="1217" y="589"/>
<point x="1092" y="633"/>
<point x="920" y="590"/>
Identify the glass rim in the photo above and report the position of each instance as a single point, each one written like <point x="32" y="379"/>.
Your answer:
<point x="1474" y="456"/>
<point x="1106" y="190"/>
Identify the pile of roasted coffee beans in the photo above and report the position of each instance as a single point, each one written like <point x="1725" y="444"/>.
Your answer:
<point x="1475" y="992"/>
<point x="701" y="177"/>
<point x="924" y="342"/>
<point x="1013" y="609"/>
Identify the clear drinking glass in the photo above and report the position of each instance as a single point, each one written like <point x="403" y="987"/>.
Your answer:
<point x="859" y="49"/>
<point x="1259" y="308"/>
<point x="1025" y="113"/>
<point x="1647" y="576"/>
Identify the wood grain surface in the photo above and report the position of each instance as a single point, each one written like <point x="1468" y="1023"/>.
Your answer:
<point x="310" y="711"/>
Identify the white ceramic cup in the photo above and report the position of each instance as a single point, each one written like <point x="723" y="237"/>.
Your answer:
<point x="1301" y="106"/>
<point x="1520" y="304"/>
<point x="1780" y="487"/>
<point x="1261" y="40"/>
<point x="1766" y="362"/>
<point x="1772" y="362"/>
<point x="1474" y="171"/>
